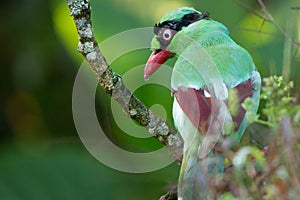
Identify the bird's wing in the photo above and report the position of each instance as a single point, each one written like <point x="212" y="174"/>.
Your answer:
<point x="254" y="97"/>
<point x="210" y="115"/>
<point x="212" y="68"/>
<point x="201" y="120"/>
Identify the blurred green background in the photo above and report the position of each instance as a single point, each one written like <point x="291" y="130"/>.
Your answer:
<point x="41" y="156"/>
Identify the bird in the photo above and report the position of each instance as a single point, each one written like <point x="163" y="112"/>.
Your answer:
<point x="210" y="80"/>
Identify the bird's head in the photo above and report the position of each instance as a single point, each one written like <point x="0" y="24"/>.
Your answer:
<point x="165" y="31"/>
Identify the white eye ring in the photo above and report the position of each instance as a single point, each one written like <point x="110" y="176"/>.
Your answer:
<point x="167" y="34"/>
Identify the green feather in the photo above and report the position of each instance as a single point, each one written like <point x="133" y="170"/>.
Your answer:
<point x="216" y="49"/>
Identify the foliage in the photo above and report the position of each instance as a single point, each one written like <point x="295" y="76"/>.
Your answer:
<point x="271" y="172"/>
<point x="278" y="100"/>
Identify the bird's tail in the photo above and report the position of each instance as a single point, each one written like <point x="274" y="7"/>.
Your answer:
<point x="197" y="174"/>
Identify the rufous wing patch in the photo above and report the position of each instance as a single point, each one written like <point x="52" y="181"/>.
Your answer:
<point x="196" y="104"/>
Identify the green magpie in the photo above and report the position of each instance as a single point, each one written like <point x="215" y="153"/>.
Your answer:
<point x="211" y="72"/>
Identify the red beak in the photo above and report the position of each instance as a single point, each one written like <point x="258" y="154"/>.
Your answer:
<point x="156" y="59"/>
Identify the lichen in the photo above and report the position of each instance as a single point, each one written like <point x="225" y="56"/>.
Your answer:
<point x="86" y="32"/>
<point x="77" y="6"/>
<point x="86" y="47"/>
<point x="132" y="112"/>
<point x="174" y="140"/>
<point x="91" y="56"/>
<point x="80" y="22"/>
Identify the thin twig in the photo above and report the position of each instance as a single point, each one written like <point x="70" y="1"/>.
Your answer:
<point x="251" y="10"/>
<point x="112" y="83"/>
<point x="258" y="31"/>
<point x="295" y="7"/>
<point x="268" y="17"/>
<point x="271" y="19"/>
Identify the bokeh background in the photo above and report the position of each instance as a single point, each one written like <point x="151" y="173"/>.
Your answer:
<point x="41" y="155"/>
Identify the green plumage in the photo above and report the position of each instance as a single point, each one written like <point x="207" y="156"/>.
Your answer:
<point x="213" y="37"/>
<point x="207" y="59"/>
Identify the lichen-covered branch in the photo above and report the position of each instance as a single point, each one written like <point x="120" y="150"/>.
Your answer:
<point x="112" y="83"/>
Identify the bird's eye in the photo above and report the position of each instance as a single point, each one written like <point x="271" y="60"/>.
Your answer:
<point x="167" y="34"/>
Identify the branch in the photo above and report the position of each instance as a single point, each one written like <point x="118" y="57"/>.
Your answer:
<point x="112" y="83"/>
<point x="295" y="7"/>
<point x="246" y="7"/>
<point x="271" y="19"/>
